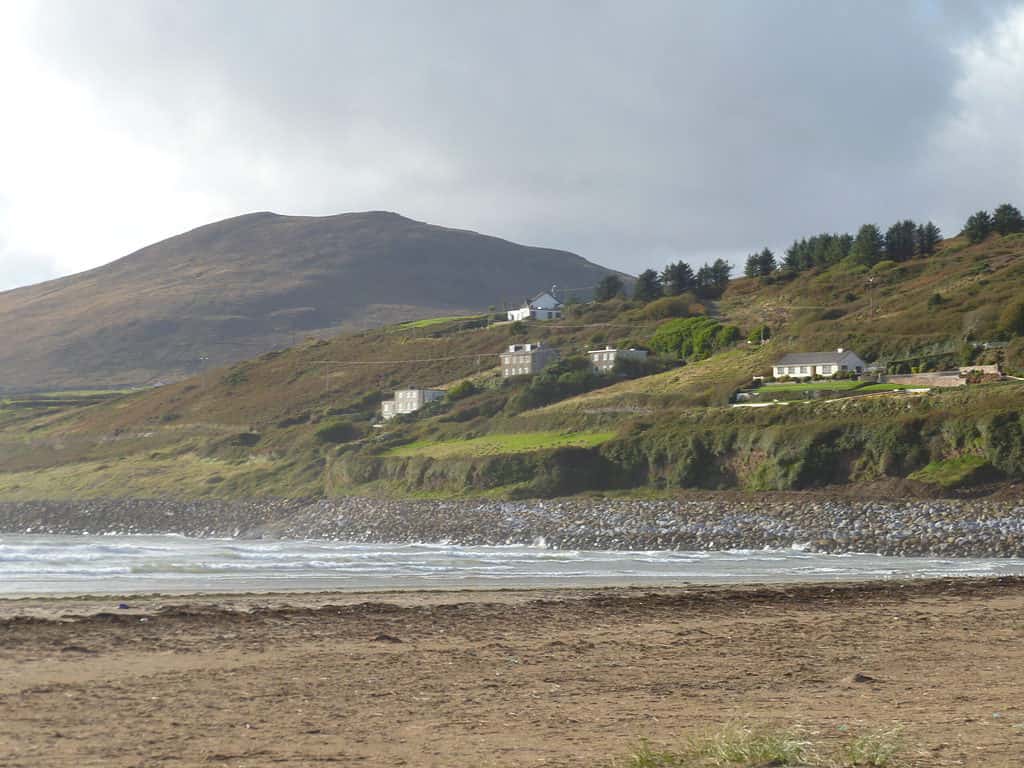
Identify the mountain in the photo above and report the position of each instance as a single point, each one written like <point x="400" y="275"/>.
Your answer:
<point x="233" y="289"/>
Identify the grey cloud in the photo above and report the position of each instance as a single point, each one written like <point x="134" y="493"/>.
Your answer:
<point x="627" y="132"/>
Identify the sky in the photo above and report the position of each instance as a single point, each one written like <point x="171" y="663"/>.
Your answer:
<point x="632" y="132"/>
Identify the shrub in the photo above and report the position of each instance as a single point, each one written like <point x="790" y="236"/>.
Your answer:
<point x="1011" y="321"/>
<point x="462" y="390"/>
<point x="336" y="432"/>
<point x="669" y="306"/>
<point x="761" y="332"/>
<point x="693" y="338"/>
<point x="566" y="378"/>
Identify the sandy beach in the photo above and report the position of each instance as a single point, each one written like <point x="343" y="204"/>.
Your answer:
<point x="508" y="678"/>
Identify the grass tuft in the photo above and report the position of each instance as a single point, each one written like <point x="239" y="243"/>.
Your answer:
<point x="742" y="747"/>
<point x="873" y="750"/>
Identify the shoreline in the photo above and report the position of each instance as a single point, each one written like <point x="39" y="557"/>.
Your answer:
<point x="55" y="607"/>
<point x="983" y="528"/>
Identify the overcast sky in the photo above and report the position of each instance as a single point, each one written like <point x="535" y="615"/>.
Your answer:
<point x="631" y="132"/>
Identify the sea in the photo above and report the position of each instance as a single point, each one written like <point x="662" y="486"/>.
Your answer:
<point x="171" y="564"/>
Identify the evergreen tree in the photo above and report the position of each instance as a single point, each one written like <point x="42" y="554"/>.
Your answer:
<point x="1006" y="219"/>
<point x="791" y="259"/>
<point x="899" y="241"/>
<point x="648" y="286"/>
<point x="926" y="239"/>
<point x="766" y="262"/>
<point x="721" y="271"/>
<point x="867" y="246"/>
<point x="609" y="287"/>
<point x="677" y="278"/>
<point x="705" y="281"/>
<point x="978" y="227"/>
<point x="753" y="266"/>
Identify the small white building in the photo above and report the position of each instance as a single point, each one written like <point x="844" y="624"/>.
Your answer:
<point x="603" y="360"/>
<point x="526" y="359"/>
<point x="543" y="306"/>
<point x="804" y="365"/>
<point x="408" y="400"/>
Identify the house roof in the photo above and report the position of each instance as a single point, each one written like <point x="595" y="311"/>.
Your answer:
<point x="813" y="358"/>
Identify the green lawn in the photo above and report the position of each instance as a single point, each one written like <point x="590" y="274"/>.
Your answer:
<point x="428" y="321"/>
<point x="826" y="385"/>
<point x="491" y="445"/>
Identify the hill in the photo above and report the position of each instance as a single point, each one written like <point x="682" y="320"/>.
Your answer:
<point x="298" y="422"/>
<point x="236" y="288"/>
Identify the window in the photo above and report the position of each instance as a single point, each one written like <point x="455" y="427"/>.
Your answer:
<point x="803" y="369"/>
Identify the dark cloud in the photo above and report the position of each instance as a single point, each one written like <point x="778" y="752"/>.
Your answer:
<point x="628" y="132"/>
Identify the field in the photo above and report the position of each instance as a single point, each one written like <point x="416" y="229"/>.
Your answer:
<point x="497" y="444"/>
<point x="431" y="321"/>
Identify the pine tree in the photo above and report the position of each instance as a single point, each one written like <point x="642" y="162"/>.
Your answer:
<point x="648" y="286"/>
<point x="926" y="239"/>
<point x="609" y="287"/>
<point x="1006" y="219"/>
<point x="765" y="262"/>
<point x="899" y="241"/>
<point x="978" y="227"/>
<point x="705" y="281"/>
<point x="753" y="266"/>
<point x="677" y="278"/>
<point x="721" y="272"/>
<point x="867" y="246"/>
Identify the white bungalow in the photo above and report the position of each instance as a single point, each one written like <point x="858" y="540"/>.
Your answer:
<point x="804" y="365"/>
<point x="543" y="306"/>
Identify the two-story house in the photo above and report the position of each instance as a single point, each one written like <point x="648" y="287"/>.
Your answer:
<point x="408" y="400"/>
<point x="526" y="359"/>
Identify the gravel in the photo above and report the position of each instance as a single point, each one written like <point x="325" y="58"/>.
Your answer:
<point x="952" y="528"/>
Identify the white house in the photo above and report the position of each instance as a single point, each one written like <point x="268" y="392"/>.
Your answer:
<point x="543" y="306"/>
<point x="804" y="365"/>
<point x="408" y="400"/>
<point x="603" y="360"/>
<point x="526" y="359"/>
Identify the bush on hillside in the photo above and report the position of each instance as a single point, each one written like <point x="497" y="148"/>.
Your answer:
<point x="337" y="432"/>
<point x="1011" y="321"/>
<point x="463" y="389"/>
<point x="1013" y="356"/>
<point x="759" y="334"/>
<point x="693" y="338"/>
<point x="683" y="305"/>
<point x="566" y="378"/>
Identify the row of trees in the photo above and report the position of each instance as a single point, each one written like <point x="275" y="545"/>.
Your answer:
<point x="707" y="282"/>
<point x="903" y="241"/>
<point x="1004" y="220"/>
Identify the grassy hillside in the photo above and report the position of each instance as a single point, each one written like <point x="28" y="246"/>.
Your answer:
<point x="234" y="289"/>
<point x="298" y="422"/>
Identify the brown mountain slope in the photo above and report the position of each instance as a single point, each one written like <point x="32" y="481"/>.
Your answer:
<point x="235" y="288"/>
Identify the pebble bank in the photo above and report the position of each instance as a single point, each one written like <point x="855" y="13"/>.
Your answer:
<point x="952" y="528"/>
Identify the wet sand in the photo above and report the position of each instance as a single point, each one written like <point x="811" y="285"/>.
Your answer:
<point x="509" y="678"/>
